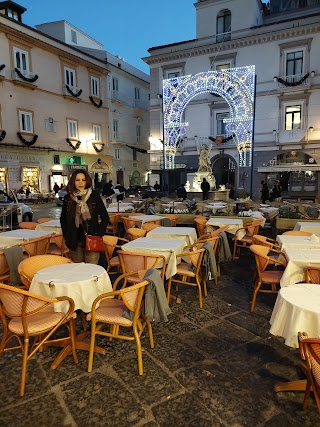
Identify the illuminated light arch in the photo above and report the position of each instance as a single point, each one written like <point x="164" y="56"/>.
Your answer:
<point x="235" y="85"/>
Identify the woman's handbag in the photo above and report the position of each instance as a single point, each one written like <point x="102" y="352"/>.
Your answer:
<point x="94" y="243"/>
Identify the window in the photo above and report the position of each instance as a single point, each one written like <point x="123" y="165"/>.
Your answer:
<point x="72" y="129"/>
<point x="70" y="77"/>
<point x="221" y="126"/>
<point x="173" y="74"/>
<point x="138" y="134"/>
<point x="13" y="14"/>
<point x="223" y="25"/>
<point x="73" y="36"/>
<point x="117" y="153"/>
<point x="56" y="159"/>
<point x="294" y="66"/>
<point x="222" y="67"/>
<point x="96" y="129"/>
<point x="293" y="117"/>
<point x="115" y="84"/>
<point x="26" y="121"/>
<point x="95" y="87"/>
<point x="134" y="155"/>
<point x="115" y="129"/>
<point x="136" y="93"/>
<point x="21" y="61"/>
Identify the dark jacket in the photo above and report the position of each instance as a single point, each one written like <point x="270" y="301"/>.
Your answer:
<point x="74" y="235"/>
<point x="182" y="192"/>
<point x="205" y="186"/>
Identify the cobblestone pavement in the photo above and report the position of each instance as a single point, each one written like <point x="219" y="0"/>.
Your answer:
<point x="214" y="366"/>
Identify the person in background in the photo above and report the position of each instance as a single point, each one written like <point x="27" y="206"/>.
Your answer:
<point x="182" y="192"/>
<point x="56" y="188"/>
<point x="21" y="191"/>
<point x="61" y="186"/>
<point x="83" y="211"/>
<point x="28" y="192"/>
<point x="108" y="190"/>
<point x="205" y="187"/>
<point x="121" y="194"/>
<point x="264" y="192"/>
<point x="232" y="192"/>
<point x="276" y="190"/>
<point x="156" y="186"/>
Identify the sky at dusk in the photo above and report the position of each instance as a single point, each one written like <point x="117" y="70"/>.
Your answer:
<point x="127" y="28"/>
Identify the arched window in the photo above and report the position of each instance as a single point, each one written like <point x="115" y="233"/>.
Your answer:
<point x="223" y="31"/>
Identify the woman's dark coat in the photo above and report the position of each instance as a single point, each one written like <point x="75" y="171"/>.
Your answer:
<point x="71" y="234"/>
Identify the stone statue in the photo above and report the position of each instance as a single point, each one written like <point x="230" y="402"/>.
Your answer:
<point x="204" y="160"/>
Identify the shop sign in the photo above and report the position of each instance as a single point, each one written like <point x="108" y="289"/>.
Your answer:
<point x="73" y="167"/>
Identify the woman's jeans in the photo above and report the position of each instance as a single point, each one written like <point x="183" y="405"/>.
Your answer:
<point x="81" y="255"/>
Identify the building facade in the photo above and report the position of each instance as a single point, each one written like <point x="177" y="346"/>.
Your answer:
<point x="282" y="40"/>
<point x="56" y="111"/>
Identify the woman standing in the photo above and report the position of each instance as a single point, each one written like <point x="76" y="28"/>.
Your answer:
<point x="83" y="211"/>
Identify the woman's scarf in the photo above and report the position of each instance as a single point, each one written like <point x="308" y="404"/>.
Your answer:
<point x="82" y="209"/>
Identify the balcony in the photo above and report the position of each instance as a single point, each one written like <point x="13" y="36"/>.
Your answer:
<point x="139" y="103"/>
<point x="223" y="37"/>
<point x="290" y="136"/>
<point x="294" y="81"/>
<point x="23" y="77"/>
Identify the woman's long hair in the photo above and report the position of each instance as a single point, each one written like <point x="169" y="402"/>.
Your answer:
<point x="71" y="188"/>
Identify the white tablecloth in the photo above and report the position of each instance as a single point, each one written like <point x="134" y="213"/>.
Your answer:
<point x="312" y="227"/>
<point x="121" y="209"/>
<point x="233" y="223"/>
<point x="297" y="309"/>
<point x="216" y="206"/>
<point x="79" y="281"/>
<point x="302" y="242"/>
<point x="145" y="218"/>
<point x="166" y="247"/>
<point x="53" y="226"/>
<point x="16" y="237"/>
<point x="187" y="234"/>
<point x="298" y="259"/>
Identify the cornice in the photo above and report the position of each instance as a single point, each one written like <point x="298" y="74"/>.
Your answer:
<point x="215" y="48"/>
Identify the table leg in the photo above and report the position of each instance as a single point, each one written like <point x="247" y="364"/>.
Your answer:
<point x="79" y="344"/>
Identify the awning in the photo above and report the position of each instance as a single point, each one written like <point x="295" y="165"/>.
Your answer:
<point x="289" y="168"/>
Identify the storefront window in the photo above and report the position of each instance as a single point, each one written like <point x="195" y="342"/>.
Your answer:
<point x="4" y="179"/>
<point x="31" y="179"/>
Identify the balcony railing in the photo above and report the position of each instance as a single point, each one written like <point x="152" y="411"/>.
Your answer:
<point x="223" y="37"/>
<point x="23" y="75"/>
<point x="293" y="80"/>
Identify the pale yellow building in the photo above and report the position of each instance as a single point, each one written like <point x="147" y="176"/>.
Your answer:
<point x="53" y="108"/>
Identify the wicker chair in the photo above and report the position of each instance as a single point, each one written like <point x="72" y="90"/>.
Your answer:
<point x="29" y="266"/>
<point x="4" y="269"/>
<point x="42" y="220"/>
<point x="297" y="233"/>
<point x="112" y="228"/>
<point x="148" y="226"/>
<point x="37" y="246"/>
<point x="57" y="246"/>
<point x="265" y="277"/>
<point x="200" y="222"/>
<point x="312" y="275"/>
<point x="112" y="305"/>
<point x="28" y="225"/>
<point x="134" y="233"/>
<point x="187" y="271"/>
<point x="173" y="218"/>
<point x="27" y="315"/>
<point x="111" y="243"/>
<point x="133" y="262"/>
<point x="246" y="240"/>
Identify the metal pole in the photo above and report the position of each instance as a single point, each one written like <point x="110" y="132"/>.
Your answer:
<point x="253" y="130"/>
<point x="163" y="154"/>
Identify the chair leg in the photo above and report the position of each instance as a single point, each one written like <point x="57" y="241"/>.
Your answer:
<point x="139" y="350"/>
<point x="169" y="289"/>
<point x="92" y="341"/>
<point x="150" y="332"/>
<point x="254" y="296"/>
<point x="200" y="292"/>
<point x="306" y="395"/>
<point x="24" y="366"/>
<point x="72" y="329"/>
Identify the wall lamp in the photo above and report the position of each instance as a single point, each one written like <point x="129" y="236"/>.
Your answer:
<point x="159" y="95"/>
<point x="312" y="74"/>
<point x="274" y="132"/>
<point x="310" y="129"/>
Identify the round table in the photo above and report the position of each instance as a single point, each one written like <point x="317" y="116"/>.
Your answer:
<point x="82" y="282"/>
<point x="297" y="309"/>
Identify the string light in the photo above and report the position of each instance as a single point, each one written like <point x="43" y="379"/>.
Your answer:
<point x="235" y="85"/>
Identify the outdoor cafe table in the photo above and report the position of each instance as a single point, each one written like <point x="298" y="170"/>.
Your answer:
<point x="298" y="259"/>
<point x="169" y="248"/>
<point x="233" y="224"/>
<point x="187" y="234"/>
<point x="145" y="218"/>
<point x="214" y="206"/>
<point x="297" y="309"/>
<point x="16" y="237"/>
<point x="302" y="242"/>
<point x="311" y="226"/>
<point x="83" y="282"/>
<point x="53" y="226"/>
<point x="122" y="209"/>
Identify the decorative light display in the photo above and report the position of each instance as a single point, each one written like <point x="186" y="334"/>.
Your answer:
<point x="235" y="85"/>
